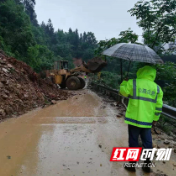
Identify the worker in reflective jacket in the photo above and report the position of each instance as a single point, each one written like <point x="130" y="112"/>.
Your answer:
<point x="144" y="107"/>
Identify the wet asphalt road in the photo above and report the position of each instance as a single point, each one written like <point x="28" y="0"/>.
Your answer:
<point x="75" y="137"/>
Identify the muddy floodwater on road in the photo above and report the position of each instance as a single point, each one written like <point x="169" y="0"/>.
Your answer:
<point x="74" y="137"/>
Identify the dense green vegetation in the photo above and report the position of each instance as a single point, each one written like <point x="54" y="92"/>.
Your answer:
<point x="39" y="45"/>
<point x="157" y="18"/>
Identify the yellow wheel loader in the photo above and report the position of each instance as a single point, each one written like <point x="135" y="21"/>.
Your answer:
<point x="64" y="77"/>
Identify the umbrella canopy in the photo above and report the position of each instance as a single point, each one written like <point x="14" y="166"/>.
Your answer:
<point x="133" y="52"/>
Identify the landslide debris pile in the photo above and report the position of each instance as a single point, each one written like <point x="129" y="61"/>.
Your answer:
<point x="21" y="89"/>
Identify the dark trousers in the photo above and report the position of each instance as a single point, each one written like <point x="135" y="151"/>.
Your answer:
<point x="145" y="134"/>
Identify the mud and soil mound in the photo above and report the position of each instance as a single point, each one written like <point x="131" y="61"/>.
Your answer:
<point x="21" y="89"/>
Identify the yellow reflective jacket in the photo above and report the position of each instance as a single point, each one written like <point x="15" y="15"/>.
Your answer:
<point x="145" y="98"/>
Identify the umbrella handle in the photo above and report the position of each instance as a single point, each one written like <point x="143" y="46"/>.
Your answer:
<point x="121" y="70"/>
<point x="128" y="68"/>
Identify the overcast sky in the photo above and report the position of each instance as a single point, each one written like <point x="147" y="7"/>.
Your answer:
<point x="105" y="18"/>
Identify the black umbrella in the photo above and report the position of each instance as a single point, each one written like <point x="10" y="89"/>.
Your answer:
<point x="133" y="52"/>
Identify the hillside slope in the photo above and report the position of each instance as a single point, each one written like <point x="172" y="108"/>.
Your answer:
<point x="21" y="89"/>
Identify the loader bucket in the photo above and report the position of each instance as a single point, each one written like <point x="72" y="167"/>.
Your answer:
<point x="96" y="64"/>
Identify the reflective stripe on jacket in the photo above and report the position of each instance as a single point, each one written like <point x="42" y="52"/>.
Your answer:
<point x="145" y="98"/>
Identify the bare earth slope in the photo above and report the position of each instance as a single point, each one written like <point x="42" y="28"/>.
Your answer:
<point x="21" y="89"/>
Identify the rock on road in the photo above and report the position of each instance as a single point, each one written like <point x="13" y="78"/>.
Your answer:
<point x="74" y="137"/>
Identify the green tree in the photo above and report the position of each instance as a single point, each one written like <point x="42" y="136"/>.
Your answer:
<point x="29" y="8"/>
<point x="40" y="58"/>
<point x="127" y="36"/>
<point x="15" y="28"/>
<point x="166" y="76"/>
<point x="158" y="21"/>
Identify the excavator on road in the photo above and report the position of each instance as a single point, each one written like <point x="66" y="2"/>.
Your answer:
<point x="64" y="77"/>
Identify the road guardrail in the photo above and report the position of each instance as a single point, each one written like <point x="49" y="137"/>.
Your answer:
<point x="168" y="111"/>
